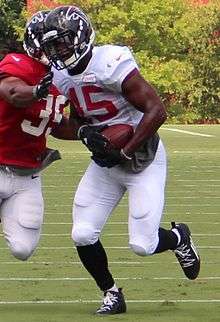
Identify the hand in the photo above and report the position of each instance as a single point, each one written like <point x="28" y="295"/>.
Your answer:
<point x="111" y="158"/>
<point x="92" y="138"/>
<point x="41" y="90"/>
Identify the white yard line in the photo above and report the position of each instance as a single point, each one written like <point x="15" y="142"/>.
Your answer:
<point x="118" y="235"/>
<point x="125" y="234"/>
<point x="187" y="132"/>
<point x="199" y="180"/>
<point x="171" y="197"/>
<point x="79" y="263"/>
<point x="79" y="301"/>
<point x="192" y="197"/>
<point x="58" y="206"/>
<point x="191" y="186"/>
<point x="106" y="247"/>
<point x="71" y="176"/>
<point x="9" y="279"/>
<point x="184" y="278"/>
<point x="169" y="189"/>
<point x="52" y="279"/>
<point x="163" y="222"/>
<point x="206" y="152"/>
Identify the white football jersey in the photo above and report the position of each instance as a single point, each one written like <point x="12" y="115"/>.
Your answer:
<point x="96" y="93"/>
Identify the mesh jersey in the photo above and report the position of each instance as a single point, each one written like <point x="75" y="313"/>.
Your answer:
<point x="96" y="93"/>
<point x="23" y="131"/>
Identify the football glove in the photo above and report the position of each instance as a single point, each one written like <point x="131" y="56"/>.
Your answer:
<point x="92" y="138"/>
<point x="41" y="90"/>
<point x="111" y="158"/>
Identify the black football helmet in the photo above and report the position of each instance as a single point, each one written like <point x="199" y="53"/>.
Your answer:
<point x="68" y="36"/>
<point x="33" y="36"/>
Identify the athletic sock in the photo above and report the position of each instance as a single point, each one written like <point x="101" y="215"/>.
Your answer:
<point x="168" y="239"/>
<point x="94" y="259"/>
<point x="113" y="288"/>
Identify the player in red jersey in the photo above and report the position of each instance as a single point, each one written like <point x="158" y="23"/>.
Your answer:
<point x="30" y="109"/>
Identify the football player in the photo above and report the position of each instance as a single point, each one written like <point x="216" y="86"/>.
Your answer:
<point x="30" y="108"/>
<point x="106" y="87"/>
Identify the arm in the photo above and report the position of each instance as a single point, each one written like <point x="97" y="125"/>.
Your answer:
<point x="20" y="94"/>
<point x="68" y="127"/>
<point x="16" y="92"/>
<point x="144" y="98"/>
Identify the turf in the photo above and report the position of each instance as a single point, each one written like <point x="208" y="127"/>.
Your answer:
<point x="53" y="287"/>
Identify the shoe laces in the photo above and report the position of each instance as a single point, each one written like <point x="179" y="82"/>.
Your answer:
<point x="185" y="256"/>
<point x="109" y="300"/>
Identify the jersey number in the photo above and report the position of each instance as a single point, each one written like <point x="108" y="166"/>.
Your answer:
<point x="102" y="110"/>
<point x="45" y="116"/>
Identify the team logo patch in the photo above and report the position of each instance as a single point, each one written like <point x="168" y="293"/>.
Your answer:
<point x="90" y="78"/>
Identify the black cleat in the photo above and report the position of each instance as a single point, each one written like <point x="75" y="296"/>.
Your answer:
<point x="186" y="252"/>
<point x="113" y="303"/>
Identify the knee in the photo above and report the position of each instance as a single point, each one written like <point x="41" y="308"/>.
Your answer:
<point x="144" y="247"/>
<point x="84" y="235"/>
<point x="138" y="250"/>
<point x="20" y="251"/>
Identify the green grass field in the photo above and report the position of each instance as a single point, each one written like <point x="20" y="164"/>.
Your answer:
<point x="53" y="287"/>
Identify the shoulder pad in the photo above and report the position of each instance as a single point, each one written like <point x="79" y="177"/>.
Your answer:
<point x="117" y="63"/>
<point x="23" y="67"/>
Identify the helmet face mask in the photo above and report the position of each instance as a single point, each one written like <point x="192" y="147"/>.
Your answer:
<point x="33" y="36"/>
<point x="68" y="37"/>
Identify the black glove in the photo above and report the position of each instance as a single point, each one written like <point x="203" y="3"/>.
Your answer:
<point x="92" y="138"/>
<point x="110" y="158"/>
<point x="41" y="90"/>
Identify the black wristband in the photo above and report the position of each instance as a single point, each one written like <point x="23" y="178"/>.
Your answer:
<point x="34" y="92"/>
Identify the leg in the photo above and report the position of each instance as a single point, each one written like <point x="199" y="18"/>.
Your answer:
<point x="146" y="202"/>
<point x="146" y="199"/>
<point x="97" y="195"/>
<point x="22" y="216"/>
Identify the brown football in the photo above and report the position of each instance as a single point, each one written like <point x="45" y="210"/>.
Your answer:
<point x="118" y="134"/>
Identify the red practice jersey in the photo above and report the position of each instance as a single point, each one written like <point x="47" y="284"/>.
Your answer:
<point x="23" y="131"/>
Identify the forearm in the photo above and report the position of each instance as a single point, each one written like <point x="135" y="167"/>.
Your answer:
<point x="66" y="130"/>
<point x="148" y="125"/>
<point x="16" y="92"/>
<point x="145" y="99"/>
<point x="21" y="96"/>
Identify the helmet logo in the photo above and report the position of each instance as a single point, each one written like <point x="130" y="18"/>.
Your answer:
<point x="75" y="15"/>
<point x="38" y="18"/>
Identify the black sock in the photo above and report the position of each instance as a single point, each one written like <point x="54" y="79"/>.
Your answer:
<point x="167" y="240"/>
<point x="95" y="260"/>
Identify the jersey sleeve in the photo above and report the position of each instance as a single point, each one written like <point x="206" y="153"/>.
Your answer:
<point x="119" y="67"/>
<point x="16" y="66"/>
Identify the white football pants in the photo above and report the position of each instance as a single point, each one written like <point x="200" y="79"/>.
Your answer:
<point x="101" y="189"/>
<point x="21" y="213"/>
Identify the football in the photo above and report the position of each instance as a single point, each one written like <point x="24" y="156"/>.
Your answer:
<point x="118" y="135"/>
